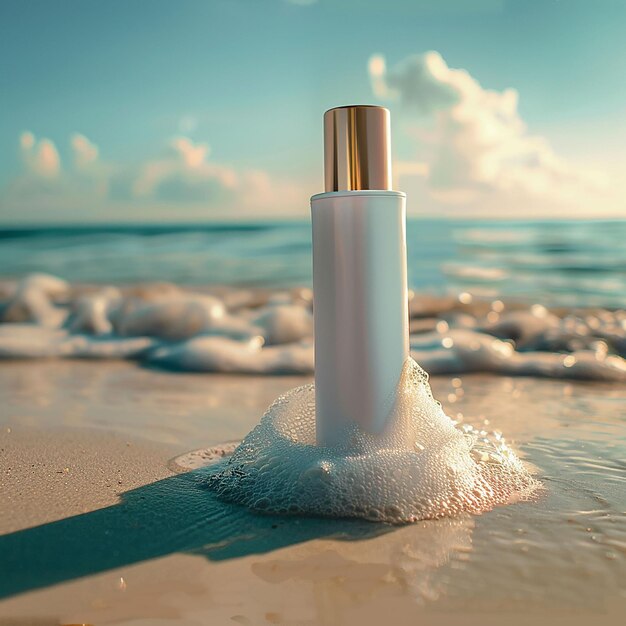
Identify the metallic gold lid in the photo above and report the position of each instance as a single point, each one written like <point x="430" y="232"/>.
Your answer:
<point x="357" y="148"/>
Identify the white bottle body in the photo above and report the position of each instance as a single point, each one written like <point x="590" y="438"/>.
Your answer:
<point x="360" y="309"/>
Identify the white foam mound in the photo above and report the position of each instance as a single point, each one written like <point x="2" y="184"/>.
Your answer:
<point x="422" y="467"/>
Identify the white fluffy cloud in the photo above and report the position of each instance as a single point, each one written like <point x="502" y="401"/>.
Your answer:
<point x="85" y="152"/>
<point x="183" y="179"/>
<point x="185" y="174"/>
<point x="470" y="143"/>
<point x="45" y="183"/>
<point x="40" y="158"/>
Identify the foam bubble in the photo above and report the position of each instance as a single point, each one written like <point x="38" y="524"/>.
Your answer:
<point x="422" y="467"/>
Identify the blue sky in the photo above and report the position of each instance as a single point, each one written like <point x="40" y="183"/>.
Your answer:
<point x="162" y="110"/>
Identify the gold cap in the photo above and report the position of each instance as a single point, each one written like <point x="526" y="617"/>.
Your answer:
<point x="357" y="148"/>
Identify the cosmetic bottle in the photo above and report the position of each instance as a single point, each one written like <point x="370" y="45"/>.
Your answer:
<point x="359" y="277"/>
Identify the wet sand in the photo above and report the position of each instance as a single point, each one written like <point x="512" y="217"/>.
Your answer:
<point x="96" y="529"/>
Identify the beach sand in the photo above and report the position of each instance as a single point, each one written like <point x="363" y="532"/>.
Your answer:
<point x="96" y="529"/>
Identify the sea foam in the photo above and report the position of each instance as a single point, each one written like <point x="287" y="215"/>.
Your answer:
<point x="256" y="331"/>
<point x="423" y="466"/>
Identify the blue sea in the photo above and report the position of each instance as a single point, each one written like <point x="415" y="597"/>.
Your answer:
<point x="567" y="263"/>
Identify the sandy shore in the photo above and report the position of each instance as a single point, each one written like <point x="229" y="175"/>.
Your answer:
<point x="96" y="529"/>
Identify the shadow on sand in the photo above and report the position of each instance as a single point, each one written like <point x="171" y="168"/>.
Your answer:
<point x="177" y="514"/>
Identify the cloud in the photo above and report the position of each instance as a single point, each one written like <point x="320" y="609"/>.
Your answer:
<point x="185" y="174"/>
<point x="46" y="183"/>
<point x="41" y="181"/>
<point x="470" y="143"/>
<point x="182" y="180"/>
<point x="419" y="82"/>
<point x="85" y="152"/>
<point x="40" y="158"/>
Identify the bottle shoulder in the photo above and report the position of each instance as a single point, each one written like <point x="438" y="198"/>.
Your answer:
<point x="358" y="192"/>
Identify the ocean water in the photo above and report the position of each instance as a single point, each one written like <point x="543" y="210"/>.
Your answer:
<point x="568" y="263"/>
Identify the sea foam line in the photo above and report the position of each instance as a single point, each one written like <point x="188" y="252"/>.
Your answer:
<point x="252" y="331"/>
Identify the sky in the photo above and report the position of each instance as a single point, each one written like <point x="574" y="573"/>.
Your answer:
<point x="194" y="110"/>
